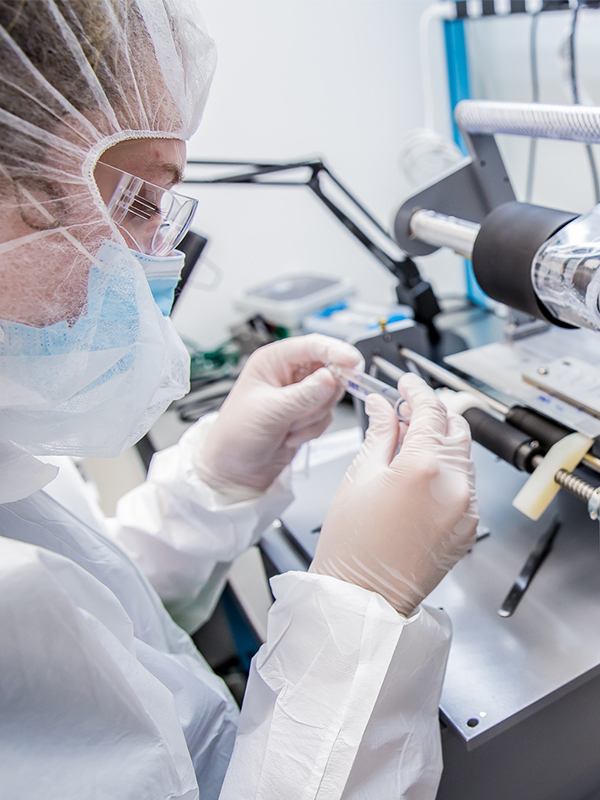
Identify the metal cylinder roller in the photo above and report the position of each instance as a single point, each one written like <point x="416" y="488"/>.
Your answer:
<point x="441" y="230"/>
<point x="517" y="443"/>
<point x="540" y="120"/>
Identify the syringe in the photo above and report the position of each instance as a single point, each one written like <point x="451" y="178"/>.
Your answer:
<point x="361" y="385"/>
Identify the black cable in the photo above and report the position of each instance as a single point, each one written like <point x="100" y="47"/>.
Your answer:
<point x="572" y="54"/>
<point x="535" y="96"/>
<point x="411" y="290"/>
<point x="575" y="91"/>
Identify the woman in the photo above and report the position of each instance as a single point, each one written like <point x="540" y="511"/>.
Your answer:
<point x="102" y="693"/>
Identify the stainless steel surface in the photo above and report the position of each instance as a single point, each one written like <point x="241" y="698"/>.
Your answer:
<point x="396" y="373"/>
<point x="451" y="380"/>
<point x="280" y="552"/>
<point x="535" y="559"/>
<point x="441" y="230"/>
<point x="521" y="330"/>
<point x="571" y="380"/>
<point x="391" y="370"/>
<point x="500" y="671"/>
<point x="502" y="364"/>
<point x="594" y="504"/>
<point x="592" y="462"/>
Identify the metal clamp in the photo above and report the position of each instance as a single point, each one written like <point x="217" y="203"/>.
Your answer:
<point x="580" y="489"/>
<point x="594" y="504"/>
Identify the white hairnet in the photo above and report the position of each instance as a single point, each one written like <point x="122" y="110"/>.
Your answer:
<point x="76" y="78"/>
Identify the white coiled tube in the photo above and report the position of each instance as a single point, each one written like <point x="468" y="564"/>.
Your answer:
<point x="539" y="120"/>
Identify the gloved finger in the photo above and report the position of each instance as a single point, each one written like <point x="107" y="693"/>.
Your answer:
<point x="312" y="394"/>
<point x="404" y="412"/>
<point x="458" y="430"/>
<point x="402" y="431"/>
<point x="429" y="416"/>
<point x="292" y="359"/>
<point x="313" y="415"/>
<point x="324" y="350"/>
<point x="312" y="431"/>
<point x="466" y="527"/>
<point x="381" y="440"/>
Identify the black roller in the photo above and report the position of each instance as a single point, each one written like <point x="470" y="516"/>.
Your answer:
<point x="545" y="430"/>
<point x="503" y="253"/>
<point x="502" y="439"/>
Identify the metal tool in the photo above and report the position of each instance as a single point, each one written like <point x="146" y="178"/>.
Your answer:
<point x="523" y="418"/>
<point x="439" y="373"/>
<point x="501" y="437"/>
<point x="581" y="489"/>
<point x="534" y="561"/>
<point x="441" y="230"/>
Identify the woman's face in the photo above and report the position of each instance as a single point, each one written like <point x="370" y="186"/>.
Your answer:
<point x="159" y="163"/>
<point x="44" y="279"/>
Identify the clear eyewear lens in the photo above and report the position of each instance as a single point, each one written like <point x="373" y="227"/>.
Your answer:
<point x="155" y="218"/>
<point x="177" y="213"/>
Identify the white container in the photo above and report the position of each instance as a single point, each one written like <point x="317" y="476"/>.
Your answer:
<point x="290" y="298"/>
<point x="354" y="320"/>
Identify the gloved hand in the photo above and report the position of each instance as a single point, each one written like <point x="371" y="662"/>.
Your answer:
<point x="398" y="523"/>
<point x="282" y="398"/>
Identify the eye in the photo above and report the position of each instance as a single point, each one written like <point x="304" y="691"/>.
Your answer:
<point x="145" y="204"/>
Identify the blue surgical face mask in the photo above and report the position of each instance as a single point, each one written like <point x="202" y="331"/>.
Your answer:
<point x="163" y="273"/>
<point x="94" y="387"/>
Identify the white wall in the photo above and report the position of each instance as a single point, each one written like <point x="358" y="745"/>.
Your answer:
<point x="500" y="70"/>
<point x="335" y="78"/>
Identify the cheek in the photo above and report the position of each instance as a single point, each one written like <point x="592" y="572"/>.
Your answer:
<point x="45" y="281"/>
<point x="44" y="285"/>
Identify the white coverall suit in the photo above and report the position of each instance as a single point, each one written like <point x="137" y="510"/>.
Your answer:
<point x="103" y="695"/>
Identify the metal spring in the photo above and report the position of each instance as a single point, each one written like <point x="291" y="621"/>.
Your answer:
<point x="581" y="489"/>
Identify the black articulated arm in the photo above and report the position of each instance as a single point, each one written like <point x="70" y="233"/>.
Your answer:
<point x="412" y="290"/>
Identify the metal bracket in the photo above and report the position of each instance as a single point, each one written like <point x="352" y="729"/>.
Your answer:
<point x="471" y="191"/>
<point x="520" y="326"/>
<point x="594" y="504"/>
<point x="387" y="345"/>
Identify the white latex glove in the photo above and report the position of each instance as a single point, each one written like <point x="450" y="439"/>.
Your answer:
<point x="282" y="398"/>
<point x="398" y="523"/>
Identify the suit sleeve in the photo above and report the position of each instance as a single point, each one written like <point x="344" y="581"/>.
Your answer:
<point x="183" y="535"/>
<point x="342" y="700"/>
<point x="79" y="714"/>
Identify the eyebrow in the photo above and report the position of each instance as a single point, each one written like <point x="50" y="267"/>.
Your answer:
<point x="172" y="169"/>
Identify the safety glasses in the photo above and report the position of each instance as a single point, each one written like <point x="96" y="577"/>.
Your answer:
<point x="152" y="218"/>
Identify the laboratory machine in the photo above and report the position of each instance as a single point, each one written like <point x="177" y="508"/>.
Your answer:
<point x="521" y="698"/>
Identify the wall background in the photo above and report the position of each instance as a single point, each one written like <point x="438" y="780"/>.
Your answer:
<point x="341" y="79"/>
<point x="500" y="70"/>
<point x="297" y="78"/>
